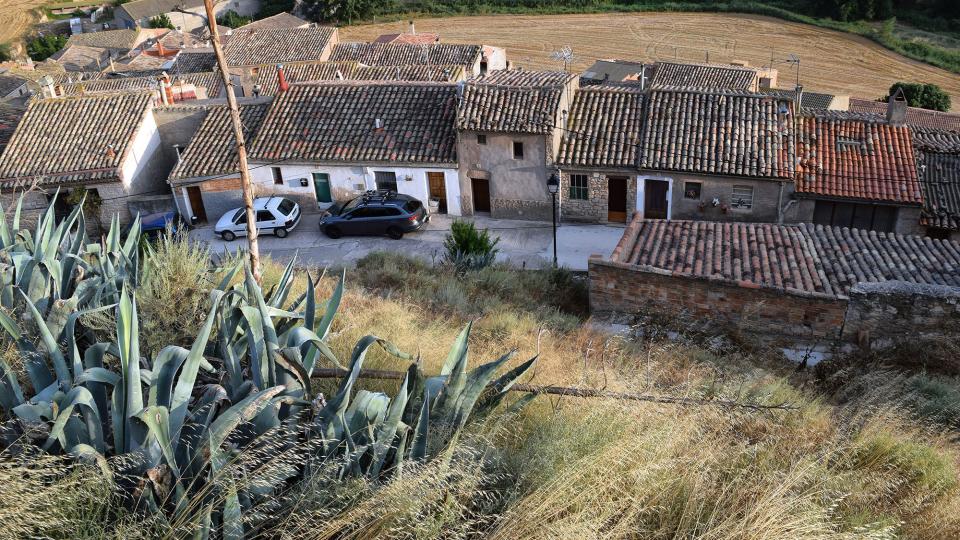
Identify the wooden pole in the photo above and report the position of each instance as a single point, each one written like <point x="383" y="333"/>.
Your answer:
<point x="332" y="373"/>
<point x="245" y="183"/>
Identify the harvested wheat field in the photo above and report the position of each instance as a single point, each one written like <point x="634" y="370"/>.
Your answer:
<point x="18" y="18"/>
<point x="830" y="61"/>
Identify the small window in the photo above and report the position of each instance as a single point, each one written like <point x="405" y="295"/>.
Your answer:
<point x="264" y="215"/>
<point x="517" y="150"/>
<point x="385" y="180"/>
<point x="691" y="190"/>
<point x="481" y="138"/>
<point x="742" y="197"/>
<point x="277" y="176"/>
<point x="579" y="187"/>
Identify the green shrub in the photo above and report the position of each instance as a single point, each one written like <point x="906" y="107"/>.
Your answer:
<point x="232" y="19"/>
<point x="6" y="52"/>
<point x="927" y="96"/>
<point x="45" y="46"/>
<point x="469" y="248"/>
<point x="161" y="21"/>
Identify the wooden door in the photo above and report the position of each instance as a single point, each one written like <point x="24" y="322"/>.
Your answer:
<point x="481" y="194"/>
<point x="438" y="190"/>
<point x="655" y="199"/>
<point x="196" y="204"/>
<point x="617" y="199"/>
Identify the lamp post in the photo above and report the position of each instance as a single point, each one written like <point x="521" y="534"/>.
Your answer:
<point x="553" y="184"/>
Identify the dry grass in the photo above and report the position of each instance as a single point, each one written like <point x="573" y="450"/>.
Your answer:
<point x="18" y="18"/>
<point x="831" y="61"/>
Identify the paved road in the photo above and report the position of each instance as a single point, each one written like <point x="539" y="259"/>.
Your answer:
<point x="522" y="243"/>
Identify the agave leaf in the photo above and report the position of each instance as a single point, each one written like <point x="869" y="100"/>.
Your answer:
<point x="93" y="358"/>
<point x="232" y="515"/>
<point x="41" y="411"/>
<point x="133" y="239"/>
<point x="279" y="295"/>
<point x="228" y="277"/>
<point x="289" y="359"/>
<point x="11" y="394"/>
<point x="16" y="215"/>
<point x="309" y="344"/>
<point x="459" y="350"/>
<point x="129" y="345"/>
<point x="243" y="411"/>
<point x="477" y="381"/>
<point x="188" y="375"/>
<point x="323" y="327"/>
<point x="418" y="451"/>
<point x="78" y="397"/>
<point x="89" y="454"/>
<point x="501" y="387"/>
<point x="49" y="343"/>
<point x="367" y="410"/>
<point x="387" y="430"/>
<point x="98" y="375"/>
<point x="157" y="422"/>
<point x="165" y="368"/>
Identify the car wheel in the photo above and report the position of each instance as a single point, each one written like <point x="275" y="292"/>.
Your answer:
<point x="280" y="232"/>
<point x="332" y="232"/>
<point x="395" y="233"/>
<point x="228" y="236"/>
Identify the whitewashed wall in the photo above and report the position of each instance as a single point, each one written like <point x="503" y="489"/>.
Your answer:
<point x="145" y="144"/>
<point x="346" y="181"/>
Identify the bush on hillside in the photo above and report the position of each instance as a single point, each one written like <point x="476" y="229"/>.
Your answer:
<point x="161" y="21"/>
<point x="469" y="248"/>
<point x="926" y="96"/>
<point x="44" y="46"/>
<point x="6" y="52"/>
<point x="232" y="19"/>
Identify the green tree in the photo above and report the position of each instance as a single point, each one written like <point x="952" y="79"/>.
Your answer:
<point x="232" y="19"/>
<point x="927" y="96"/>
<point x="161" y="21"/>
<point x="43" y="47"/>
<point x="6" y="52"/>
<point x="340" y="11"/>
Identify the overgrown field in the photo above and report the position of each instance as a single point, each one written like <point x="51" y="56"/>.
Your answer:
<point x="18" y="17"/>
<point x="870" y="453"/>
<point x="830" y="61"/>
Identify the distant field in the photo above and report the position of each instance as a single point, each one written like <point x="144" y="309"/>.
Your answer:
<point x="16" y="18"/>
<point x="830" y="61"/>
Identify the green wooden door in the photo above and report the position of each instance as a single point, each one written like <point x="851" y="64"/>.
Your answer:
<point x="321" y="183"/>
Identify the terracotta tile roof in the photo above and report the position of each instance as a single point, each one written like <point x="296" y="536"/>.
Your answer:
<point x="9" y="119"/>
<point x="212" y="150"/>
<point x="420" y="38"/>
<point x="110" y="39"/>
<point x="938" y="168"/>
<point x="528" y="108"/>
<point x="603" y="128"/>
<point x="438" y="73"/>
<point x="68" y="140"/>
<point x="302" y="72"/>
<point x="718" y="132"/>
<point x="801" y="259"/>
<point x="520" y="77"/>
<point x="266" y="46"/>
<point x="274" y="22"/>
<point x="211" y="81"/>
<point x="194" y="61"/>
<point x="139" y="9"/>
<point x="915" y="115"/>
<point x="844" y="156"/>
<point x="81" y="58"/>
<point x="936" y="140"/>
<point x="808" y="100"/>
<point x="336" y="121"/>
<point x="706" y="76"/>
<point x="9" y="83"/>
<point x="379" y="54"/>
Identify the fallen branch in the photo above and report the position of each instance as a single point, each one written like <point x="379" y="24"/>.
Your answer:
<point x="332" y="373"/>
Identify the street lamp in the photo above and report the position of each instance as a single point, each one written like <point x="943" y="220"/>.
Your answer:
<point x="553" y="184"/>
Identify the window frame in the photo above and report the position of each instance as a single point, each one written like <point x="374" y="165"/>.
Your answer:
<point x="521" y="154"/>
<point x="277" y="176"/>
<point x="687" y="190"/>
<point x="376" y="182"/>
<point x="575" y="191"/>
<point x="482" y="138"/>
<point x="733" y="196"/>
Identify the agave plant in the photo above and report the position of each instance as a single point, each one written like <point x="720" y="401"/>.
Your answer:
<point x="177" y="431"/>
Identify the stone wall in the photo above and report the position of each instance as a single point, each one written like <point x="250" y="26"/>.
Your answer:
<point x="741" y="307"/>
<point x="882" y="314"/>
<point x="596" y="206"/>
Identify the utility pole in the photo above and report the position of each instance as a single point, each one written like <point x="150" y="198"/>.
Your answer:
<point x="241" y="145"/>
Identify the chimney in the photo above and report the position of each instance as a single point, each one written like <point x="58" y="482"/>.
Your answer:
<point x="111" y="153"/>
<point x="160" y="51"/>
<point x="798" y="98"/>
<point x="282" y="85"/>
<point x="897" y="108"/>
<point x="377" y="124"/>
<point x="46" y="87"/>
<point x="413" y="29"/>
<point x="57" y="91"/>
<point x="166" y="91"/>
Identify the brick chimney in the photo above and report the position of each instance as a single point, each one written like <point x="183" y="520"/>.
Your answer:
<point x="413" y="29"/>
<point x="281" y="79"/>
<point x="897" y="108"/>
<point x="111" y="153"/>
<point x="160" y="51"/>
<point x="46" y="87"/>
<point x="166" y="91"/>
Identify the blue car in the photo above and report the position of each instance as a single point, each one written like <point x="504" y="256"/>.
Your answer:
<point x="153" y="225"/>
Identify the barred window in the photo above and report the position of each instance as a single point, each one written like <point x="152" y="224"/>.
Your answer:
<point x="742" y="197"/>
<point x="579" y="187"/>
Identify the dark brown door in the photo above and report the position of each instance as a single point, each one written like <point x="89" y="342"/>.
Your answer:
<point x="655" y="199"/>
<point x="481" y="194"/>
<point x="196" y="203"/>
<point x="617" y="199"/>
<point x="438" y="190"/>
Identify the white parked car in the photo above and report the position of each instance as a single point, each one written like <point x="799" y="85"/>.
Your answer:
<point x="274" y="215"/>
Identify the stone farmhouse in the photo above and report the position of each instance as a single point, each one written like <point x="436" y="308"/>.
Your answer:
<point x="186" y="15"/>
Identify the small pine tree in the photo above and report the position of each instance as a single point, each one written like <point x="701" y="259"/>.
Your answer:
<point x="45" y="46"/>
<point x="161" y="21"/>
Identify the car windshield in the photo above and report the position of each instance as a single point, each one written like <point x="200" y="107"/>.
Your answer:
<point x="351" y="205"/>
<point x="238" y="215"/>
<point x="285" y="207"/>
<point x="411" y="206"/>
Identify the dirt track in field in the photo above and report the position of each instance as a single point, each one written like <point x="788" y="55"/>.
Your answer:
<point x="830" y="61"/>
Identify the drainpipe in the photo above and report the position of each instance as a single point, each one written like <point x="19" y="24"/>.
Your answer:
<point x="780" y="204"/>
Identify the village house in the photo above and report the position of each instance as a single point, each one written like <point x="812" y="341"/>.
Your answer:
<point x="733" y="76"/>
<point x="206" y="179"/>
<point x="81" y="58"/>
<point x="9" y="119"/>
<point x="194" y="61"/>
<point x="811" y="101"/>
<point x="184" y="87"/>
<point x="117" y="42"/>
<point x="857" y="171"/>
<point x="329" y="141"/>
<point x="798" y="283"/>
<point x="12" y="88"/>
<point x="106" y="144"/>
<point x="186" y="15"/>
<point x="437" y="54"/>
<point x="267" y="77"/>
<point x="718" y="155"/>
<point x="599" y="154"/>
<point x="276" y="22"/>
<point x="915" y="116"/>
<point x="614" y="71"/>
<point x="410" y="37"/>
<point x="509" y="132"/>
<point x="938" y="169"/>
<point x="257" y="47"/>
